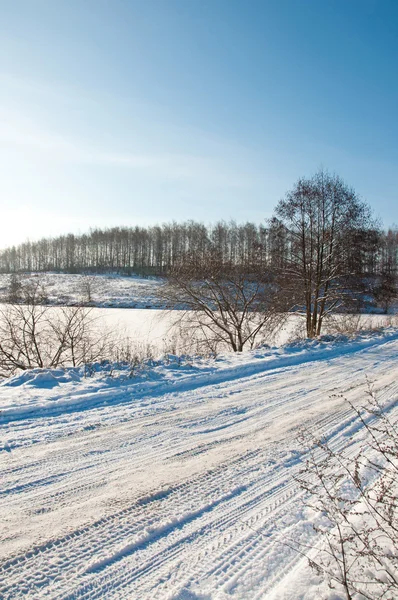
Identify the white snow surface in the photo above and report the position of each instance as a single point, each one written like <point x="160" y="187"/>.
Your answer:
<point x="106" y="290"/>
<point x="177" y="483"/>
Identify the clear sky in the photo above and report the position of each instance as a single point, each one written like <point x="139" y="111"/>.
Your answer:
<point x="124" y="112"/>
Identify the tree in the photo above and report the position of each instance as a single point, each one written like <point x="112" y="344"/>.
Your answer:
<point x="325" y="224"/>
<point x="88" y="285"/>
<point x="225" y="304"/>
<point x="34" y="334"/>
<point x="385" y="292"/>
<point x="14" y="288"/>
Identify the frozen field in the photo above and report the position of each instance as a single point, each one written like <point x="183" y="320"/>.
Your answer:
<point x="148" y="322"/>
<point x="155" y="326"/>
<point x="178" y="484"/>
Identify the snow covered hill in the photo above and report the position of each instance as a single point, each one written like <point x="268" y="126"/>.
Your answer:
<point x="179" y="483"/>
<point x="108" y="290"/>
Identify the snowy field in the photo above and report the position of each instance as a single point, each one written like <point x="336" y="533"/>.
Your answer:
<point x="149" y="323"/>
<point x="155" y="326"/>
<point x="105" y="290"/>
<point x="177" y="484"/>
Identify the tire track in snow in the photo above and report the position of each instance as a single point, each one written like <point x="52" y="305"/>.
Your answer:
<point x="207" y="522"/>
<point x="84" y="541"/>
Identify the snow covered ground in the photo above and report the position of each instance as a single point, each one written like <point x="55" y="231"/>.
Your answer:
<point x="149" y="322"/>
<point x="177" y="484"/>
<point x="105" y="290"/>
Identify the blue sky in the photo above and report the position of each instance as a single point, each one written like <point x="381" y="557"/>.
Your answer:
<point x="129" y="112"/>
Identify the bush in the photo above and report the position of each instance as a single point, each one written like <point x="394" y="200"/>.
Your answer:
<point x="357" y="499"/>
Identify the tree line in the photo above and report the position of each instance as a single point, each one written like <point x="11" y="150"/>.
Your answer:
<point x="158" y="249"/>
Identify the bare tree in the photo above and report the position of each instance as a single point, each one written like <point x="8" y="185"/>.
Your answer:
<point x="324" y="220"/>
<point x="88" y="285"/>
<point x="222" y="303"/>
<point x="33" y="334"/>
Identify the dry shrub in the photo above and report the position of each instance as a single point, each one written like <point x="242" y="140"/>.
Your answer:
<point x="33" y="334"/>
<point x="356" y="497"/>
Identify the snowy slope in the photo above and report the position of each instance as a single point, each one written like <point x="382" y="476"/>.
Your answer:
<point x="106" y="290"/>
<point x="177" y="484"/>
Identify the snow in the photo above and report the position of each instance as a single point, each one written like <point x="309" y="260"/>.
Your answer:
<point x="149" y="322"/>
<point x="177" y="483"/>
<point x="45" y="390"/>
<point x="107" y="290"/>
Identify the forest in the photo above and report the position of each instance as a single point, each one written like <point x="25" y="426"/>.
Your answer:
<point x="156" y="249"/>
